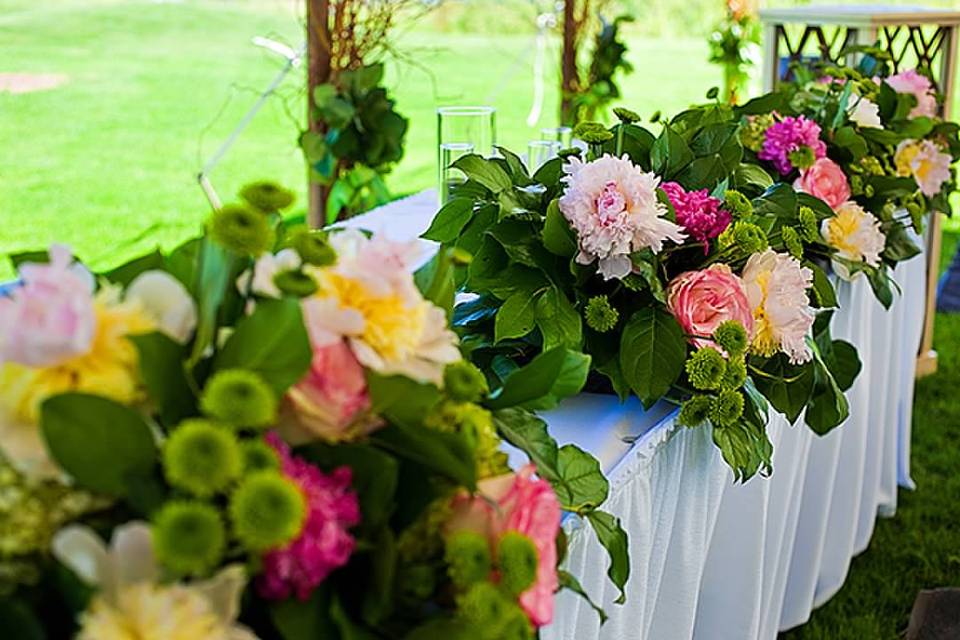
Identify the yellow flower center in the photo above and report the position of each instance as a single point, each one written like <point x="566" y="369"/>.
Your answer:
<point x="145" y="611"/>
<point x="108" y="369"/>
<point x="904" y="159"/>
<point x="392" y="327"/>
<point x="764" y="342"/>
<point x="841" y="228"/>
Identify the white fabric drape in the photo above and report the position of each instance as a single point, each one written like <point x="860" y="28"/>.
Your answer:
<point x="711" y="559"/>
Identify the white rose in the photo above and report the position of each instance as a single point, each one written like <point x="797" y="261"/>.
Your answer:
<point x="167" y="302"/>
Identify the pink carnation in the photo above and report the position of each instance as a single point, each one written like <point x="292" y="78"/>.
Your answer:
<point x="698" y="212"/>
<point x="790" y="134"/>
<point x="920" y="87"/>
<point x="50" y="318"/>
<point x="702" y="300"/>
<point x="325" y="542"/>
<point x="825" y="180"/>
<point x="523" y="503"/>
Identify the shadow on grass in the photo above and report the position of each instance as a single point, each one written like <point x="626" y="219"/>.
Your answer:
<point x="920" y="547"/>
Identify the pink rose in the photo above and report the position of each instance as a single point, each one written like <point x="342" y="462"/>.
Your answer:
<point x="825" y="180"/>
<point x="50" y="318"/>
<point x="702" y="300"/>
<point x="525" y="504"/>
<point x="332" y="396"/>
<point x="920" y="87"/>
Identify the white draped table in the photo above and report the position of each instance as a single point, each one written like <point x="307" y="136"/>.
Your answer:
<point x="715" y="560"/>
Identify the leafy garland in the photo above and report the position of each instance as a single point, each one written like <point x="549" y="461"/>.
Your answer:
<point x="550" y="271"/>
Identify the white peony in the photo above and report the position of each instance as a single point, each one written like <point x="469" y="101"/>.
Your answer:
<point x="166" y="302"/>
<point x="855" y="234"/>
<point x="776" y="286"/>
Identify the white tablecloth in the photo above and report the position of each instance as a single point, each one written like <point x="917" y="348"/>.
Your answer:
<point x="711" y="559"/>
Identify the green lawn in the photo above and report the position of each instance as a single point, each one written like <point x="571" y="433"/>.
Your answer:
<point x="152" y="88"/>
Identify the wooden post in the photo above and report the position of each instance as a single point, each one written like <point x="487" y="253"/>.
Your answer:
<point x="318" y="72"/>
<point x="568" y="67"/>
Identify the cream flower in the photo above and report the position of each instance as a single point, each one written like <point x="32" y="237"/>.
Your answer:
<point x="776" y="286"/>
<point x="855" y="234"/>
<point x="260" y="280"/>
<point x="866" y="114"/>
<point x="370" y="298"/>
<point x="132" y="605"/>
<point x="167" y="302"/>
<point x="923" y="160"/>
<point x="109" y="367"/>
<point x="613" y="207"/>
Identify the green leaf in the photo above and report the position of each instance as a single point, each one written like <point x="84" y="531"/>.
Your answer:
<point x="101" y="444"/>
<point x="670" y="154"/>
<point x="125" y="273"/>
<point x="436" y="281"/>
<point x="558" y="237"/>
<point x="582" y="485"/>
<point x="652" y="353"/>
<point x="827" y="407"/>
<point x="272" y="342"/>
<point x="614" y="539"/>
<point x="486" y="172"/>
<point x="517" y="169"/>
<point x="378" y="591"/>
<point x="751" y="175"/>
<point x="19" y="622"/>
<point x="161" y="362"/>
<point x="516" y="317"/>
<point x="309" y="619"/>
<point x="216" y="264"/>
<point x="848" y="138"/>
<point x="445" y="628"/>
<point x="447" y="454"/>
<point x="823" y="289"/>
<point x="786" y="386"/>
<point x="568" y="581"/>
<point x="900" y="246"/>
<point x="530" y="434"/>
<point x="399" y="398"/>
<point x="558" y="320"/>
<point x="542" y="383"/>
<point x="845" y="365"/>
<point x="450" y="220"/>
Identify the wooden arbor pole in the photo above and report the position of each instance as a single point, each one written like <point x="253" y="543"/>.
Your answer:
<point x="318" y="72"/>
<point x="569" y="78"/>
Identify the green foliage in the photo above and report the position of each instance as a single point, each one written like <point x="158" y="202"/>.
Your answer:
<point x="105" y="447"/>
<point x="652" y="353"/>
<point x="599" y="88"/>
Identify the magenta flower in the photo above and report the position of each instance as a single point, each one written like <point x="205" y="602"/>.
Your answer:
<point x="788" y="136"/>
<point x="325" y="542"/>
<point x="698" y="212"/>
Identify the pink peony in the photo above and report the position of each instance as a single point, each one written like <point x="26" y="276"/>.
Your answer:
<point x="612" y="205"/>
<point x="789" y="135"/>
<point x="50" y="318"/>
<point x="325" y="542"/>
<point x="525" y="504"/>
<point x="698" y="212"/>
<point x="920" y="87"/>
<point x="333" y="395"/>
<point x="702" y="300"/>
<point x="825" y="180"/>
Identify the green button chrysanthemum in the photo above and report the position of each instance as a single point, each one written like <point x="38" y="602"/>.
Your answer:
<point x="695" y="411"/>
<point x="266" y="511"/>
<point x="749" y="238"/>
<point x="468" y="558"/>
<point x="294" y="282"/>
<point x="736" y="373"/>
<point x="626" y="116"/>
<point x="313" y="247"/>
<point x="482" y="603"/>
<point x="201" y="458"/>
<point x="464" y="382"/>
<point x="267" y="196"/>
<point x="705" y="368"/>
<point x="792" y="241"/>
<point x="600" y="315"/>
<point x="731" y="336"/>
<point x="737" y="204"/>
<point x="240" y="398"/>
<point x="258" y="456"/>
<point x="189" y="537"/>
<point x="241" y="230"/>
<point x="726" y="408"/>
<point x="592" y="133"/>
<point x="517" y="560"/>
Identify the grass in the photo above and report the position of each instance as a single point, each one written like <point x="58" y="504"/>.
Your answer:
<point x="154" y="87"/>
<point x="920" y="547"/>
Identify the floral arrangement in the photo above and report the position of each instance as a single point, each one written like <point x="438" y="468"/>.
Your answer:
<point x="270" y="432"/>
<point x="693" y="266"/>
